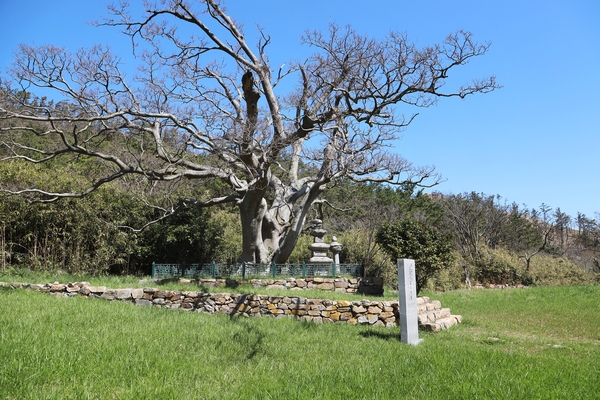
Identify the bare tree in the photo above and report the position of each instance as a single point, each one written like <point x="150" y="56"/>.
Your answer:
<point x="562" y="224"/>
<point x="475" y="220"/>
<point x="587" y="240"/>
<point x="205" y="106"/>
<point x="544" y="224"/>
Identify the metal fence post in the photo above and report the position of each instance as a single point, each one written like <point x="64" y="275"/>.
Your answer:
<point x="333" y="270"/>
<point x="212" y="269"/>
<point x="153" y="269"/>
<point x="303" y="270"/>
<point x="273" y="269"/>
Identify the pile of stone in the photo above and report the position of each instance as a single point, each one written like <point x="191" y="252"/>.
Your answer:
<point x="431" y="316"/>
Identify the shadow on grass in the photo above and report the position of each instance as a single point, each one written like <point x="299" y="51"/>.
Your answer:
<point x="231" y="283"/>
<point x="203" y="289"/>
<point x="249" y="338"/>
<point x="388" y="336"/>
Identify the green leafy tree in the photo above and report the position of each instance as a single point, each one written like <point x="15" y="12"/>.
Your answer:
<point x="72" y="236"/>
<point x="193" y="235"/>
<point x="409" y="238"/>
<point x="184" y="237"/>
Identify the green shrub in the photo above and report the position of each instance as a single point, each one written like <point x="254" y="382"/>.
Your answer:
<point x="558" y="271"/>
<point x="446" y="279"/>
<point x="499" y="267"/>
<point x="359" y="247"/>
<point x="301" y="252"/>
<point x="431" y="250"/>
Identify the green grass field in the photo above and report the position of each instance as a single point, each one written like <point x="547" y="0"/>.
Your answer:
<point x="535" y="343"/>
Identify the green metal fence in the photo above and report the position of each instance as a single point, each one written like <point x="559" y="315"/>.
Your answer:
<point x="248" y="270"/>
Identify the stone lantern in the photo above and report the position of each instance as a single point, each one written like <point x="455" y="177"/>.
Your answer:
<point x="336" y="248"/>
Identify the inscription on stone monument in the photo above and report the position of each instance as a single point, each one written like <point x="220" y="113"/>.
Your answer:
<point x="407" y="293"/>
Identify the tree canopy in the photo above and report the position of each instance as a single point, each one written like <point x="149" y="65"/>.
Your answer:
<point x="210" y="106"/>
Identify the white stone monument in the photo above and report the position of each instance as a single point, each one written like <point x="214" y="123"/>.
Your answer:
<point x="407" y="293"/>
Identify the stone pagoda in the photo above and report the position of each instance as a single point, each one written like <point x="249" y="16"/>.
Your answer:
<point x="319" y="248"/>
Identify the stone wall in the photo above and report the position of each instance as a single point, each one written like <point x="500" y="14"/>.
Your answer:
<point x="372" y="286"/>
<point x="431" y="316"/>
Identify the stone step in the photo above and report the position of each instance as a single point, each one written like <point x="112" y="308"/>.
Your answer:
<point x="442" y="323"/>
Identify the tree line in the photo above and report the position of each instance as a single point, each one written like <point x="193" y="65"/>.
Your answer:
<point x="457" y="240"/>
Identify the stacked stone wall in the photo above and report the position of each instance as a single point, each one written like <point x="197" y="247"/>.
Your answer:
<point x="372" y="286"/>
<point x="431" y="316"/>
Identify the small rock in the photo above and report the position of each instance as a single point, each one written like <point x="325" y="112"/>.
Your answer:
<point x="123" y="294"/>
<point x="143" y="302"/>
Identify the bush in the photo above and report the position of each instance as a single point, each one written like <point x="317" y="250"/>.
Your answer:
<point x="359" y="247"/>
<point x="301" y="252"/>
<point x="431" y="250"/>
<point x="499" y="267"/>
<point x="558" y="271"/>
<point x="447" y="279"/>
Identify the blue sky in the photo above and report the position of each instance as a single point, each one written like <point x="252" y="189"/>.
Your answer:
<point x="536" y="140"/>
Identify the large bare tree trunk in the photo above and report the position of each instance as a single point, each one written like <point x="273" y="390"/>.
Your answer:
<point x="252" y="211"/>
<point x="288" y="242"/>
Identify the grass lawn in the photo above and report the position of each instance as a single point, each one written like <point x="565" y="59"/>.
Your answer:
<point x="522" y="343"/>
